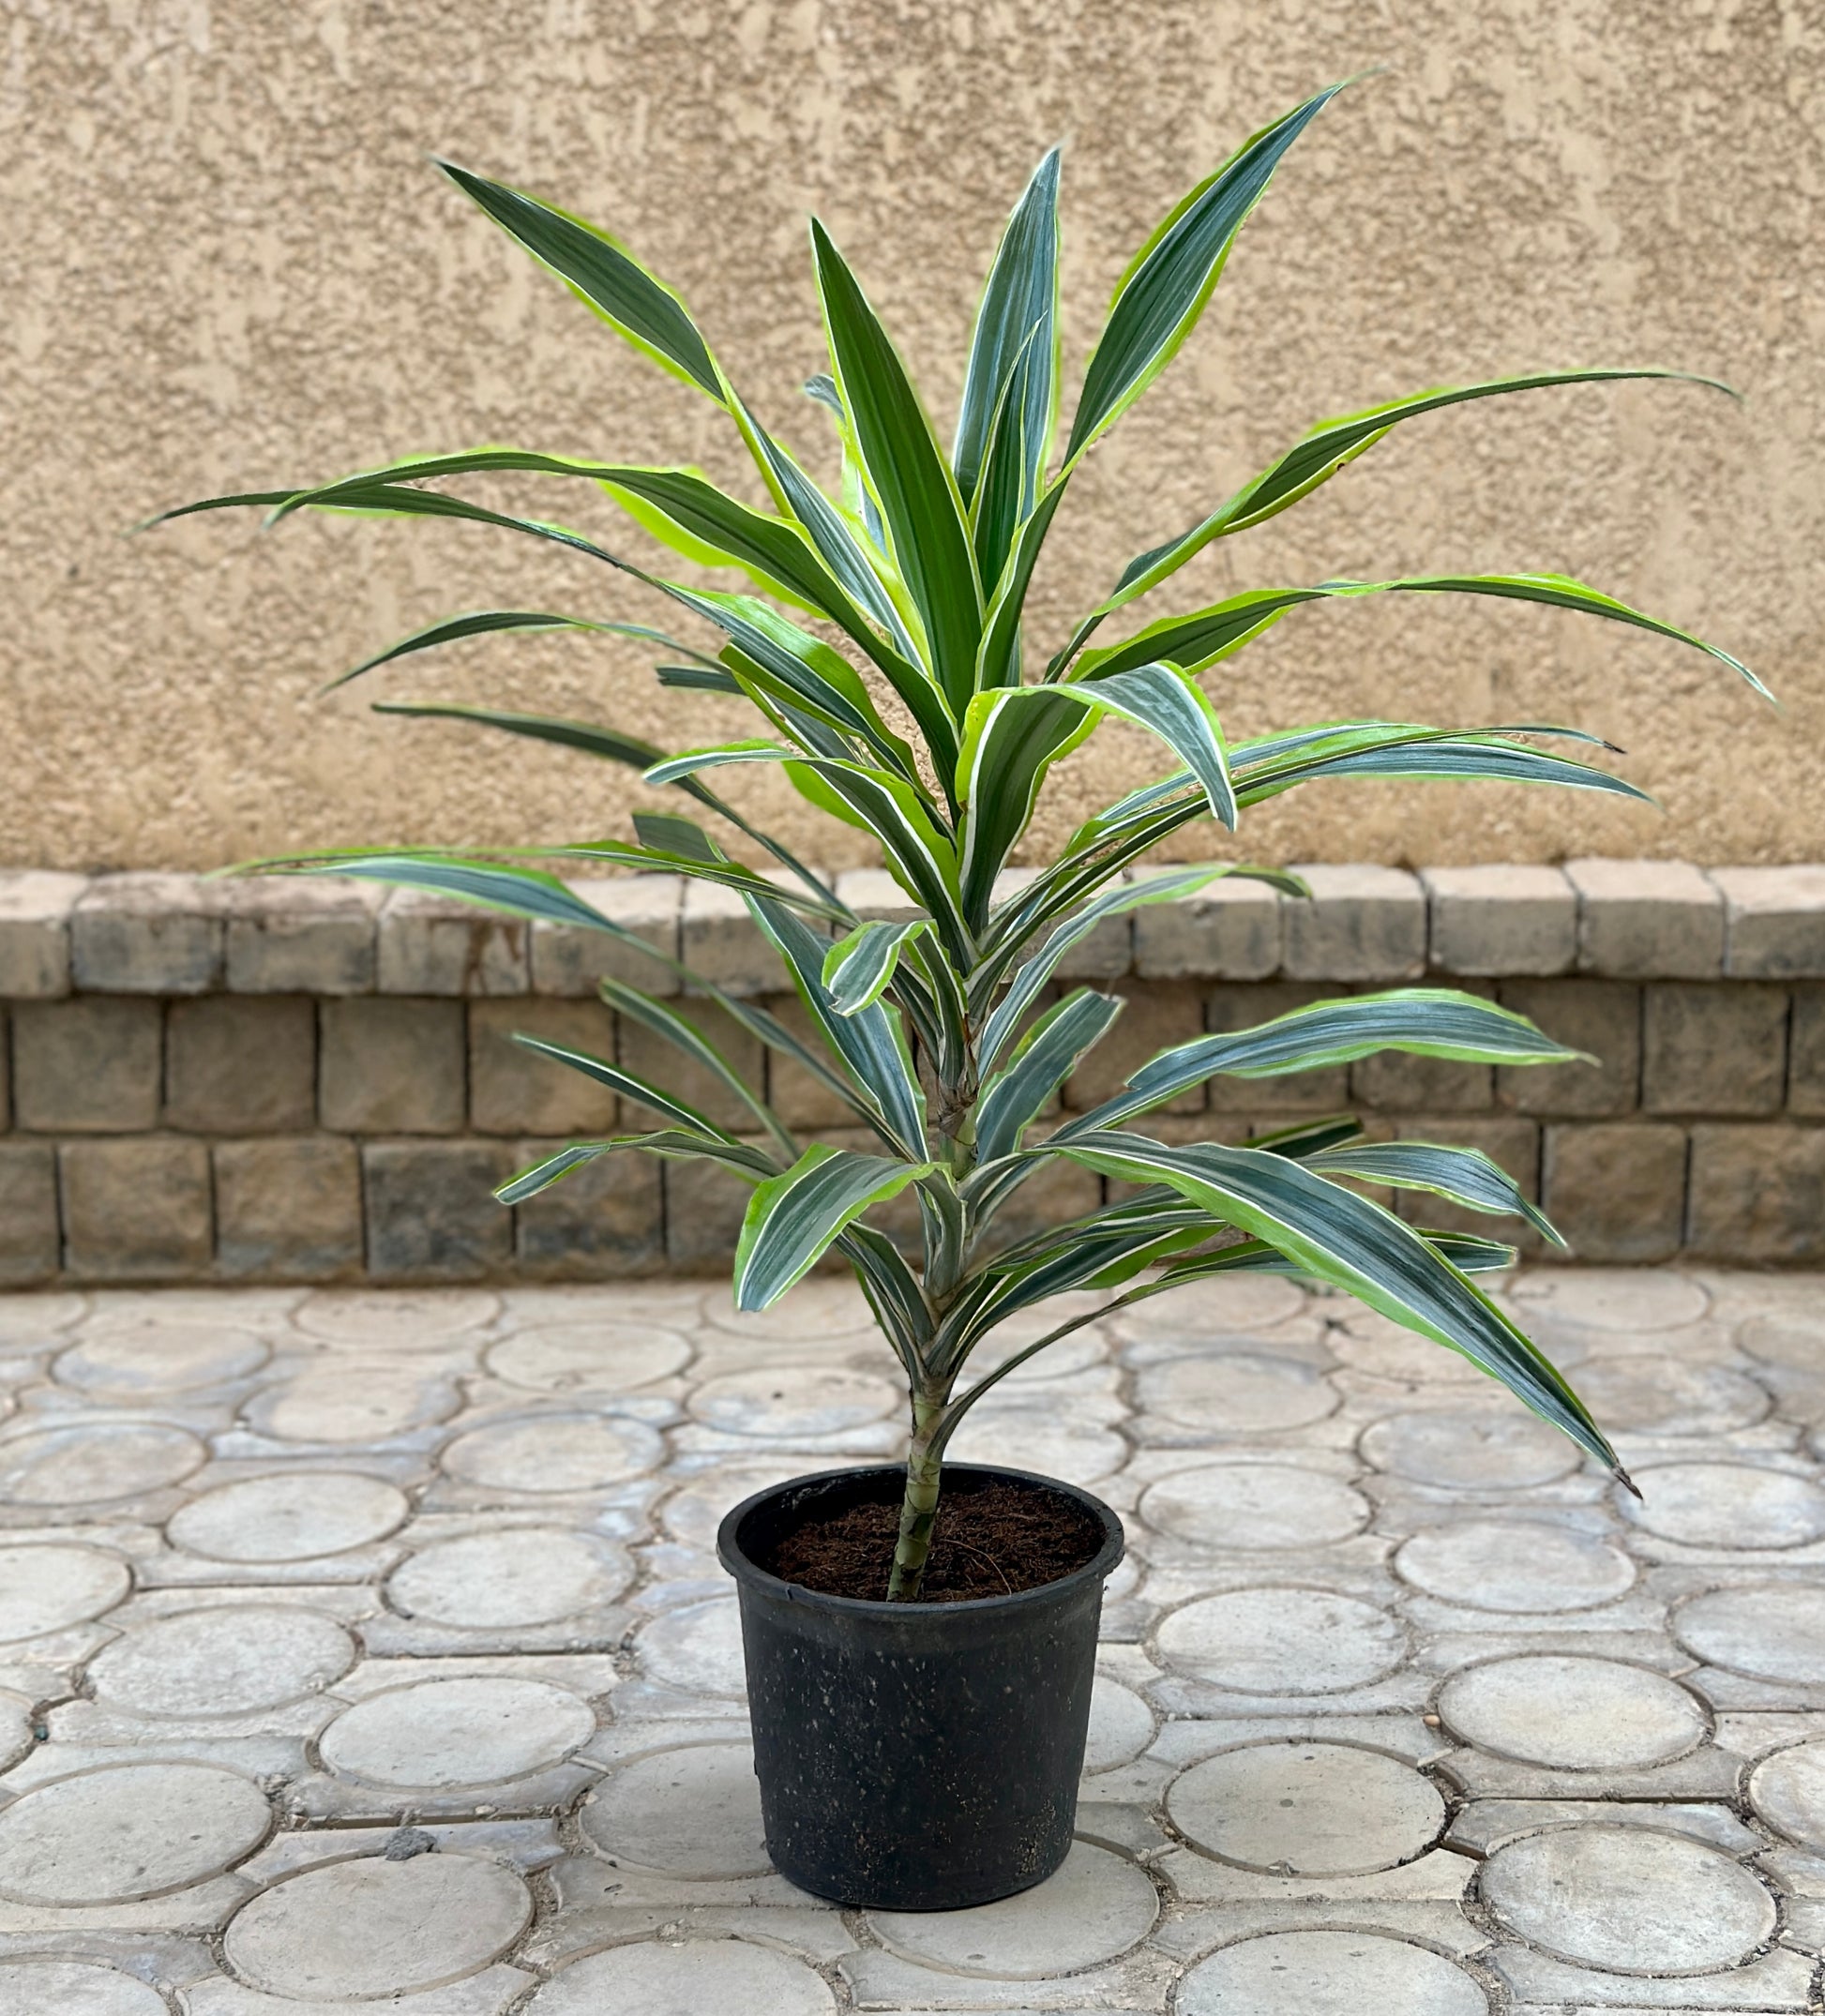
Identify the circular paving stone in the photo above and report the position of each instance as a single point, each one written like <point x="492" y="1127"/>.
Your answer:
<point x="693" y="1513"/>
<point x="697" y="1646"/>
<point x="1381" y="1349"/>
<point x="1771" y="1631"/>
<point x="1220" y="1308"/>
<point x="1472" y="1452"/>
<point x="1793" y="1338"/>
<point x="158" y="1359"/>
<point x="354" y="1401"/>
<point x="1628" y="1899"/>
<point x="73" y="1988"/>
<point x="1728" y="1505"/>
<point x="233" y="1660"/>
<point x="692" y="1811"/>
<point x="1327" y="1974"/>
<point x="1788" y="1791"/>
<point x="1254" y="1505"/>
<point x="372" y="1929"/>
<point x="34" y="1319"/>
<point x="560" y="1356"/>
<point x="1572" y="1714"/>
<point x="90" y="1464"/>
<point x="1021" y="1438"/>
<point x="1073" y="1354"/>
<point x="1645" y="1299"/>
<point x="519" y="1576"/>
<point x="1639" y="1393"/>
<point x="1283" y="1641"/>
<point x="1235" y="1393"/>
<point x="1514" y="1566"/>
<point x="1306" y="1809"/>
<point x="1120" y="1725"/>
<point x="703" y="1977"/>
<point x="793" y="1401"/>
<point x="1094" y="1908"/>
<point x="294" y="1515"/>
<point x="555" y="1453"/>
<point x="17" y="1737"/>
<point x="480" y="1730"/>
<point x="810" y="1312"/>
<point x="394" y="1315"/>
<point x="52" y="1586"/>
<point x="128" y="1831"/>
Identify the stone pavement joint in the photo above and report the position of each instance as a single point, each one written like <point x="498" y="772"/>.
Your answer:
<point x="368" y="1646"/>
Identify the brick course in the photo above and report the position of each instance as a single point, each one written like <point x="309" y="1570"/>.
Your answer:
<point x="304" y="1079"/>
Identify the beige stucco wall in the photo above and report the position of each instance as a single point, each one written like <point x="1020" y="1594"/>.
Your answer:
<point x="225" y="264"/>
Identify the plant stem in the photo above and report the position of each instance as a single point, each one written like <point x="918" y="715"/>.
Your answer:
<point x="919" y="1507"/>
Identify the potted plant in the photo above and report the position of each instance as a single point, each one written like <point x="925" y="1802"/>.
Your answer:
<point x="919" y="1718"/>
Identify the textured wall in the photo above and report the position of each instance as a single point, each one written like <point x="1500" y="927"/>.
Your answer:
<point x="225" y="264"/>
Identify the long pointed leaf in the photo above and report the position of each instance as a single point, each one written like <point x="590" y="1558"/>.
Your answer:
<point x="689" y="1041"/>
<point x="1012" y="1098"/>
<point x="1163" y="293"/>
<point x="859" y="966"/>
<point x="1358" y="1246"/>
<point x="923" y="515"/>
<point x="627" y="1083"/>
<point x="1463" y="1176"/>
<point x="793" y="1218"/>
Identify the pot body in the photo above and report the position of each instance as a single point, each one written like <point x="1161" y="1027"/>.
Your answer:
<point x="915" y="1757"/>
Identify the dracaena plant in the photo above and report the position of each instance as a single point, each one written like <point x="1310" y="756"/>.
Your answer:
<point x="940" y="1033"/>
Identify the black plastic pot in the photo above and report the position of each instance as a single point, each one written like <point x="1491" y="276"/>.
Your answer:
<point x="915" y="1757"/>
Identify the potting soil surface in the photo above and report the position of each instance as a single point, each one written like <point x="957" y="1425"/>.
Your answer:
<point x="369" y="1649"/>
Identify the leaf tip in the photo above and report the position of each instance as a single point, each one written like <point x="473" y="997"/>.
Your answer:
<point x="1627" y="1482"/>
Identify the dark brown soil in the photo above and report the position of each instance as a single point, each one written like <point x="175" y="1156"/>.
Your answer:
<point x="993" y="1541"/>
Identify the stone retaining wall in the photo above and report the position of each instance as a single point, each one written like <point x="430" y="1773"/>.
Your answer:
<point x="292" y="1080"/>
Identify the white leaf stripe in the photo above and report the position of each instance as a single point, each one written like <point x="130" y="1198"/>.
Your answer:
<point x="858" y="967"/>
<point x="1046" y="1056"/>
<point x="792" y="1218"/>
<point x="1461" y="1175"/>
<point x="627" y="1083"/>
<point x="1358" y="1246"/>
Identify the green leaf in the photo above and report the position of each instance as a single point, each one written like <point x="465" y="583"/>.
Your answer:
<point x="1005" y="492"/>
<point x="1016" y="320"/>
<point x="483" y="622"/>
<point x="1326" y="448"/>
<point x="1357" y="1246"/>
<point x="998" y="657"/>
<point x="1169" y="702"/>
<point x="686" y="1037"/>
<point x="1011" y="739"/>
<point x="1441" y="757"/>
<point x="600" y="271"/>
<point x="793" y="1218"/>
<point x="1014" y="1096"/>
<point x="1421" y="1021"/>
<point x="858" y="967"/>
<point x="1164" y="291"/>
<point x="871" y="1042"/>
<point x="718" y="755"/>
<point x="1198" y="641"/>
<point x="1464" y="1176"/>
<point x="627" y="1083"/>
<point x="1465" y="1251"/>
<point x="927" y="532"/>
<point x="675" y="1142"/>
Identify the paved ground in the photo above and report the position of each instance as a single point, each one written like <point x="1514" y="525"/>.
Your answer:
<point x="367" y="1649"/>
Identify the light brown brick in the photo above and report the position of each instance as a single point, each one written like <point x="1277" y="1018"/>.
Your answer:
<point x="1713" y="1047"/>
<point x="392" y="1066"/>
<point x="1244" y="1006"/>
<point x="665" y="1066"/>
<point x="34" y="907"/>
<point x="136" y="1210"/>
<point x="801" y="1099"/>
<point x="301" y="933"/>
<point x="89" y="1065"/>
<point x="570" y="959"/>
<point x="1617" y="1190"/>
<point x="288" y="1209"/>
<point x="1807" y="1066"/>
<point x="600" y="1223"/>
<point x="1501" y="920"/>
<point x="1392" y="1081"/>
<point x="434" y="944"/>
<point x="431" y="1209"/>
<point x="1602" y="1018"/>
<point x="1159" y="1015"/>
<point x="29" y="1245"/>
<point x="1758" y="1194"/>
<point x="724" y="945"/>
<point x="1511" y="1142"/>
<point x="236" y="1065"/>
<point x="148" y="934"/>
<point x="1647" y="920"/>
<point x="513" y="1090"/>
<point x="1360" y="922"/>
<point x="1230" y="929"/>
<point x="1774" y="921"/>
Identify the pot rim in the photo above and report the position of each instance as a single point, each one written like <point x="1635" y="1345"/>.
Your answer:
<point x="745" y="1571"/>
